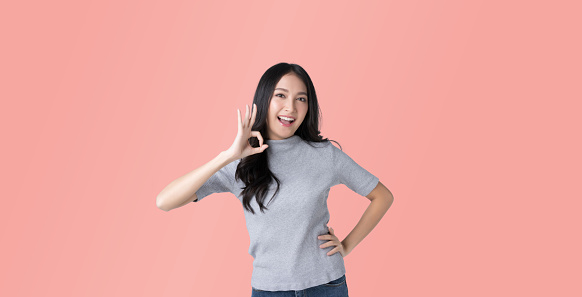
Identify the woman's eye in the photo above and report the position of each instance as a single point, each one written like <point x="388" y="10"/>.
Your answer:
<point x="301" y="98"/>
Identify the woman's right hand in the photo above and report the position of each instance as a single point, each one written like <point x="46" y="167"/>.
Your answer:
<point x="241" y="147"/>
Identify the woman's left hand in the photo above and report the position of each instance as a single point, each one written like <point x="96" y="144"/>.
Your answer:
<point x="333" y="240"/>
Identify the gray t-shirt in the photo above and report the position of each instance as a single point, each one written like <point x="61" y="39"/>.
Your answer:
<point x="283" y="239"/>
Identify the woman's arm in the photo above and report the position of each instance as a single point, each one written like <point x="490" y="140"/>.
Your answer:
<point x="381" y="199"/>
<point x="183" y="190"/>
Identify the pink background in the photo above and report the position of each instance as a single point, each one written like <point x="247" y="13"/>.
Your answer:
<point x="468" y="111"/>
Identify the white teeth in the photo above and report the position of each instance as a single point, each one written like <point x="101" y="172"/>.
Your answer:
<point x="287" y="119"/>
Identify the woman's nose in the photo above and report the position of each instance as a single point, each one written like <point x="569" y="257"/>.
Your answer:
<point x="290" y="105"/>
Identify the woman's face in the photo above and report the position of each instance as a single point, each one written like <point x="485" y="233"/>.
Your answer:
<point x="289" y="99"/>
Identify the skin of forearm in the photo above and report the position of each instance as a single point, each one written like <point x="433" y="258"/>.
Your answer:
<point x="180" y="191"/>
<point x="371" y="217"/>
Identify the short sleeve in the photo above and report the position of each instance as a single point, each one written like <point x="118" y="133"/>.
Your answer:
<point x="220" y="182"/>
<point x="351" y="174"/>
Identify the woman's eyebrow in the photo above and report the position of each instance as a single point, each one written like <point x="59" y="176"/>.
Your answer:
<point x="288" y="91"/>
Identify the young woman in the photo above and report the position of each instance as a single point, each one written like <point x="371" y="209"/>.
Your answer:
<point x="283" y="181"/>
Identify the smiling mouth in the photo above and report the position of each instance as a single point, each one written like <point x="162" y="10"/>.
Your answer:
<point x="285" y="122"/>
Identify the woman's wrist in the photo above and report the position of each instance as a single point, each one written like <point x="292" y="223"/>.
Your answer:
<point x="227" y="155"/>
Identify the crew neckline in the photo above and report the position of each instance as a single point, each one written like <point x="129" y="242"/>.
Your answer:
<point x="287" y="142"/>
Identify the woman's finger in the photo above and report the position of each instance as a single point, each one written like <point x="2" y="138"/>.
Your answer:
<point x="254" y="115"/>
<point x="258" y="135"/>
<point x="327" y="244"/>
<point x="249" y="115"/>
<point x="257" y="150"/>
<point x="246" y="121"/>
<point x="333" y="251"/>
<point x="239" y="120"/>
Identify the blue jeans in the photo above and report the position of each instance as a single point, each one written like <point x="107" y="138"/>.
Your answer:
<point x="335" y="288"/>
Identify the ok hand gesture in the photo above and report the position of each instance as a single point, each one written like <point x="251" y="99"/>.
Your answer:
<point x="241" y="147"/>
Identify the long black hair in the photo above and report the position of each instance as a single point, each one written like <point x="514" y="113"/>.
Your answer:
<point x="253" y="170"/>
